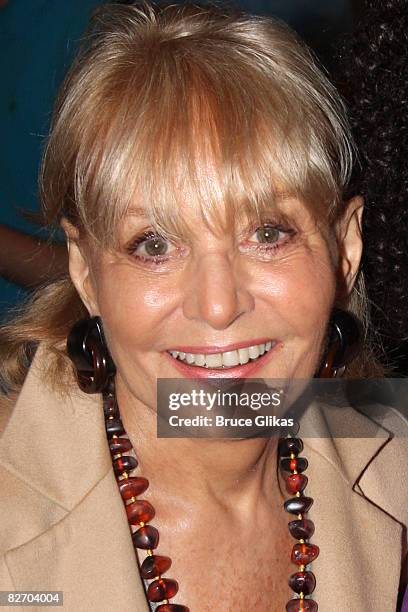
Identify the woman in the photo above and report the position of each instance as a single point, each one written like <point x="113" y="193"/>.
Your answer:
<point x="196" y="162"/>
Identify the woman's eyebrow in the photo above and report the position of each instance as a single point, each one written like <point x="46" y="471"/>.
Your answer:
<point x="136" y="211"/>
<point x="283" y="196"/>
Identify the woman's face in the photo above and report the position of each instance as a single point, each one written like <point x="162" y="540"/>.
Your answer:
<point x="171" y="310"/>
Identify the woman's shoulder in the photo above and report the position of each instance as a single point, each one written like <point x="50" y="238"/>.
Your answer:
<point x="42" y="431"/>
<point x="367" y="446"/>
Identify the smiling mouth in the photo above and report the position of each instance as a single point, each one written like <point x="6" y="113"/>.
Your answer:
<point x="225" y="360"/>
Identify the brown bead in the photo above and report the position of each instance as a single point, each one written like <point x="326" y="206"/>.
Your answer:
<point x="119" y="445"/>
<point x="124" y="464"/>
<point x="296" y="483"/>
<point x="302" y="582"/>
<point x="110" y="387"/>
<point x="302" y="529"/>
<point x="154" y="565"/>
<point x="302" y="554"/>
<point x="298" y="505"/>
<point x="172" y="608"/>
<point x="290" y="446"/>
<point x="146" y="537"/>
<point x="114" y="427"/>
<point x="301" y="605"/>
<point x="163" y="588"/>
<point x="132" y="486"/>
<point x="299" y="464"/>
<point x="140" y="511"/>
<point x="110" y="406"/>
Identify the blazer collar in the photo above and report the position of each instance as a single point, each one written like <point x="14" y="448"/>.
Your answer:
<point x="359" y="486"/>
<point x="44" y="429"/>
<point x="76" y="538"/>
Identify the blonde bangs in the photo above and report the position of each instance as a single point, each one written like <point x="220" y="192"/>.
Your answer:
<point x="165" y="113"/>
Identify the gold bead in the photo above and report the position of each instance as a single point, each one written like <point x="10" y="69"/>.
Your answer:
<point x="300" y="517"/>
<point x="301" y="541"/>
<point x="117" y="456"/>
<point x="133" y="499"/>
<point x="149" y="552"/>
<point x="142" y="524"/>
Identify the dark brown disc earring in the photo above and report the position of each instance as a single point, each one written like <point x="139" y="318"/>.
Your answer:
<point x="344" y="343"/>
<point x="87" y="349"/>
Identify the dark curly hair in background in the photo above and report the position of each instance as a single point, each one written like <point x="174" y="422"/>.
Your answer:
<point x="374" y="79"/>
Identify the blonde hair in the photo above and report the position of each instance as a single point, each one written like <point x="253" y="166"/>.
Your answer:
<point x="155" y="95"/>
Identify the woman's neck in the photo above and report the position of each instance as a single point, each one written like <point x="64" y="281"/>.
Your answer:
<point x="238" y="476"/>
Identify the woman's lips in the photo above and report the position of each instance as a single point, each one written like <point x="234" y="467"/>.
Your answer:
<point x="240" y="371"/>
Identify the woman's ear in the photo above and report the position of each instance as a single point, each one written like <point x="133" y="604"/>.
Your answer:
<point x="350" y="245"/>
<point x="80" y="267"/>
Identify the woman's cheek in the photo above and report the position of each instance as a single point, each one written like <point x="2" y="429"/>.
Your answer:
<point x="303" y="280"/>
<point x="297" y="298"/>
<point x="313" y="288"/>
<point x="133" y="305"/>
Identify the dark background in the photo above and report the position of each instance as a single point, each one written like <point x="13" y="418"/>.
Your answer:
<point x="37" y="41"/>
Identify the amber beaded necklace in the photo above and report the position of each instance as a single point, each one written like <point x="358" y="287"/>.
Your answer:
<point x="146" y="537"/>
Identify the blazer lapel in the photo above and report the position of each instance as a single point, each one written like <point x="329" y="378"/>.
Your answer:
<point x="63" y="518"/>
<point x="88" y="555"/>
<point x="360" y="502"/>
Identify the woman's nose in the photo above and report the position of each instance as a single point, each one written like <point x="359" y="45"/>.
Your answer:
<point x="214" y="294"/>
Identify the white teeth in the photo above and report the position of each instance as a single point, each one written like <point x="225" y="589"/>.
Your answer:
<point x="253" y="351"/>
<point x="214" y="360"/>
<point x="243" y="356"/>
<point x="228" y="359"/>
<point x="199" y="359"/>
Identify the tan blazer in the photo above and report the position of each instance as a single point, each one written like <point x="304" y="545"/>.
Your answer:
<point x="63" y="525"/>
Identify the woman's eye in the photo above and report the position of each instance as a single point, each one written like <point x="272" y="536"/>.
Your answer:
<point x="271" y="234"/>
<point x="151" y="247"/>
<point x="267" y="234"/>
<point x="268" y="238"/>
<point x="154" y="246"/>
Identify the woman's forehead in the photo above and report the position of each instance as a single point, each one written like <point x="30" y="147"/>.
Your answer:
<point x="228" y="163"/>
